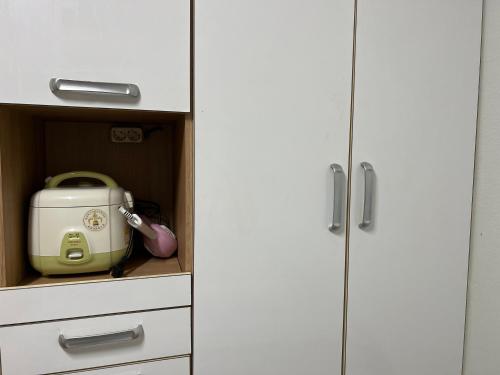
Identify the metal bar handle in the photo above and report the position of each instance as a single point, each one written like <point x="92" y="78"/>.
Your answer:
<point x="101" y="339"/>
<point x="59" y="85"/>
<point x="338" y="196"/>
<point x="369" y="177"/>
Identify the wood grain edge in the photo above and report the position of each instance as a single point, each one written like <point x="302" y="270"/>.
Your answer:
<point x="184" y="194"/>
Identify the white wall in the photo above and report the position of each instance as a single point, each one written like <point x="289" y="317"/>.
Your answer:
<point x="482" y="341"/>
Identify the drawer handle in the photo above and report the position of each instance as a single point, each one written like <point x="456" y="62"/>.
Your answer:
<point x="59" y="85"/>
<point x="101" y="339"/>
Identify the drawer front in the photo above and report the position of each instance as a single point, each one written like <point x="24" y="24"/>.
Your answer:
<point x="85" y="343"/>
<point x="25" y="305"/>
<point x="175" y="366"/>
<point x="145" y="43"/>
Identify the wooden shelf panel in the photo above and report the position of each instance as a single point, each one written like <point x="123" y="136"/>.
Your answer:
<point x="136" y="267"/>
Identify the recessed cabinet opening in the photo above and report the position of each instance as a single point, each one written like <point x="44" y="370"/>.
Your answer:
<point x="37" y="142"/>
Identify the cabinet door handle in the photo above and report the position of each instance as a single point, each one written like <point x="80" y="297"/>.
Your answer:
<point x="369" y="178"/>
<point x="110" y="338"/>
<point x="338" y="196"/>
<point x="59" y="85"/>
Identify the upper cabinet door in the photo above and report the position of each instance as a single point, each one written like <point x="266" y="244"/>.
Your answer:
<point x="109" y="54"/>
<point x="416" y="91"/>
<point x="272" y="102"/>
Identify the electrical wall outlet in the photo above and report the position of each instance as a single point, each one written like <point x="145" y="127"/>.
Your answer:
<point x="126" y="134"/>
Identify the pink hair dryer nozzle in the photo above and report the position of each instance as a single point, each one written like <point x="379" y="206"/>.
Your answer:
<point x="163" y="244"/>
<point x="158" y="239"/>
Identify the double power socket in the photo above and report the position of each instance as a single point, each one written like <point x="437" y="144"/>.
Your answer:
<point x="126" y="134"/>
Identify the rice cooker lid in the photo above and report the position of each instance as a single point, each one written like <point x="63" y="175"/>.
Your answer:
<point x="65" y="197"/>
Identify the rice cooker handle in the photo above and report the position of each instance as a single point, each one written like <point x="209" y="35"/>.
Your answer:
<point x="56" y="180"/>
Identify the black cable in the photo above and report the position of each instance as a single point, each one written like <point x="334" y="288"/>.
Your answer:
<point x="118" y="269"/>
<point x="149" y="209"/>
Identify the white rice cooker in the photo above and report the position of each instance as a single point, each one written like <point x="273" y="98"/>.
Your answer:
<point x="78" y="228"/>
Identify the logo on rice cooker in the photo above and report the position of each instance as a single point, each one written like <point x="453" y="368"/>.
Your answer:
<point x="95" y="220"/>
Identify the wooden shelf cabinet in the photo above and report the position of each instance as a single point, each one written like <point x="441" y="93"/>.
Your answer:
<point x="36" y="142"/>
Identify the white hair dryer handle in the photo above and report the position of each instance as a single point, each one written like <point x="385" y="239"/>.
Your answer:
<point x="136" y="222"/>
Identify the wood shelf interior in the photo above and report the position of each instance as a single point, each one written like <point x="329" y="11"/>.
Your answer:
<point x="36" y="142"/>
<point x="138" y="266"/>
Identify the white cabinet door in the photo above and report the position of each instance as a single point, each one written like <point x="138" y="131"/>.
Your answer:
<point x="145" y="43"/>
<point x="272" y="100"/>
<point x="417" y="70"/>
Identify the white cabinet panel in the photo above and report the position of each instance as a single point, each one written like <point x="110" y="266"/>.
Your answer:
<point x="417" y="66"/>
<point x="272" y="95"/>
<point x="175" y="366"/>
<point x="31" y="304"/>
<point x="84" y="343"/>
<point x="119" y="41"/>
